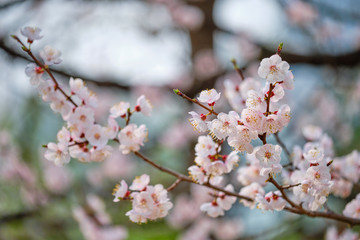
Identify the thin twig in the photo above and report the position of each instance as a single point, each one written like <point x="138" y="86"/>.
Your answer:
<point x="237" y="69"/>
<point x="290" y="186"/>
<point x="278" y="140"/>
<point x="297" y="209"/>
<point x="181" y="94"/>
<point x="174" y="185"/>
<point x="188" y="179"/>
<point x="284" y="195"/>
<point x="46" y="68"/>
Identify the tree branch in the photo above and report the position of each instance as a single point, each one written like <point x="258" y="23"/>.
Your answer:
<point x="297" y="209"/>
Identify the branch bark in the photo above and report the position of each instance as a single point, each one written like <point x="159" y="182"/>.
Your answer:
<point x="297" y="209"/>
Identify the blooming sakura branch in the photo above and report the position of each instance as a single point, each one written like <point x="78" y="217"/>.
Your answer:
<point x="303" y="178"/>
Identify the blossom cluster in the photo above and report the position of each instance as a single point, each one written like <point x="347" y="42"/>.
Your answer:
<point x="82" y="137"/>
<point x="210" y="164"/>
<point x="311" y="174"/>
<point x="148" y="202"/>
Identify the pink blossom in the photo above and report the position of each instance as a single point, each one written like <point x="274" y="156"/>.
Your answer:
<point x="119" y="110"/>
<point x="273" y="69"/>
<point x="50" y="56"/>
<point x="132" y="137"/>
<point x="57" y="153"/>
<point x="32" y="33"/>
<point x="209" y="97"/>
<point x="34" y="72"/>
<point x="140" y="182"/>
<point x="198" y="121"/>
<point x="96" y="136"/>
<point x="143" y="105"/>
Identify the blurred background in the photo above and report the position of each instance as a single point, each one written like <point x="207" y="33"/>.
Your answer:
<point x="126" y="48"/>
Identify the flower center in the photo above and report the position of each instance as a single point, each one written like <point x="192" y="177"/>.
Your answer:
<point x="268" y="155"/>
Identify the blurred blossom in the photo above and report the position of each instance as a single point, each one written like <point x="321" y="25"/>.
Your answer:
<point x="205" y="64"/>
<point x="155" y="95"/>
<point x="11" y="167"/>
<point x="301" y="13"/>
<point x="188" y="17"/>
<point x="228" y="229"/>
<point x="249" y="50"/>
<point x="187" y="213"/>
<point x="183" y="81"/>
<point x="56" y="179"/>
<point x="178" y="135"/>
<point x="33" y="196"/>
<point x="116" y="167"/>
<point x="95" y="223"/>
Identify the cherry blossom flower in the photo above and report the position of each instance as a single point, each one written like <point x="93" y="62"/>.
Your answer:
<point x="352" y="209"/>
<point x="143" y="105"/>
<point x="223" y="126"/>
<point x="112" y="128"/>
<point x="198" y="121"/>
<point x="231" y="161"/>
<point x="314" y="155"/>
<point x="34" y="72"/>
<point x="100" y="154"/>
<point x="50" y="56"/>
<point x="312" y="132"/>
<point x="318" y="173"/>
<point x="150" y="203"/>
<point x="269" y="156"/>
<point x="255" y="100"/>
<point x="225" y="201"/>
<point x="205" y="146"/>
<point x="119" y="110"/>
<point x="63" y="135"/>
<point x="271" y="201"/>
<point x="62" y="105"/>
<point x="276" y="94"/>
<point x="216" y="168"/>
<point x="249" y="174"/>
<point x="32" y="33"/>
<point x="252" y="119"/>
<point x="83" y="116"/>
<point x="288" y="82"/>
<point x="347" y="234"/>
<point x="132" y="137"/>
<point x="240" y="139"/>
<point x="212" y="209"/>
<point x="46" y="89"/>
<point x="209" y="97"/>
<point x="140" y="182"/>
<point x="120" y="191"/>
<point x="197" y="174"/>
<point x="96" y="136"/>
<point x="251" y="191"/>
<point x="57" y="153"/>
<point x="273" y="69"/>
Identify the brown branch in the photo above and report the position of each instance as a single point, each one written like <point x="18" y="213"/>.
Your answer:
<point x="188" y="179"/>
<point x="237" y="68"/>
<point x="297" y="209"/>
<point x="28" y="51"/>
<point x="284" y="195"/>
<point x="174" y="185"/>
<point x="111" y="83"/>
<point x="181" y="94"/>
<point x="333" y="216"/>
<point x="16" y="216"/>
<point x="290" y="186"/>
